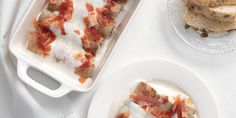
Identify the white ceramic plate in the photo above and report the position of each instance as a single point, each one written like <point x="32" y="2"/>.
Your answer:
<point x="159" y="70"/>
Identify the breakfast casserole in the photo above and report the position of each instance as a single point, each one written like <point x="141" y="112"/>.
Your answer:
<point x="56" y="33"/>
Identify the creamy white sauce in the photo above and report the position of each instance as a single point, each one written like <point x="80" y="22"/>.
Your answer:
<point x="64" y="53"/>
<point x="65" y="47"/>
<point x="96" y="3"/>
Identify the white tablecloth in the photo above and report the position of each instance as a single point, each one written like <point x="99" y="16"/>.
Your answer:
<point x="149" y="36"/>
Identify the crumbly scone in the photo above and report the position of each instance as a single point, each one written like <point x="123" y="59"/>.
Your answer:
<point x="213" y="3"/>
<point x="221" y="13"/>
<point x="201" y="22"/>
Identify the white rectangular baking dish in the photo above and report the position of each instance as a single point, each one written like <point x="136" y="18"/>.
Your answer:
<point x="26" y="59"/>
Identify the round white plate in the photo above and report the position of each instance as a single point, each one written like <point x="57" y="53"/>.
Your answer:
<point x="160" y="70"/>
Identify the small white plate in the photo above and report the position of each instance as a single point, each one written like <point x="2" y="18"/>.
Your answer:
<point x="160" y="70"/>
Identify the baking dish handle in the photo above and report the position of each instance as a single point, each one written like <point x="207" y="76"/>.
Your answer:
<point x="22" y="68"/>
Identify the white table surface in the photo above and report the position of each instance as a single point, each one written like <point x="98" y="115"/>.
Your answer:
<point x="151" y="36"/>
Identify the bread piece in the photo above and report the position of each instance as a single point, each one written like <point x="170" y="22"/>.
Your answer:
<point x="46" y="17"/>
<point x="32" y="43"/>
<point x="201" y="22"/>
<point x="106" y="21"/>
<point x="92" y="40"/>
<point x="222" y="13"/>
<point x="213" y="2"/>
<point x="115" y="6"/>
<point x="186" y="2"/>
<point x="85" y="69"/>
<point x="45" y="14"/>
<point x="53" y="5"/>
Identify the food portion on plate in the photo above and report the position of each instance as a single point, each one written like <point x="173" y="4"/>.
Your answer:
<point x="146" y="101"/>
<point x="59" y="33"/>
<point x="207" y="16"/>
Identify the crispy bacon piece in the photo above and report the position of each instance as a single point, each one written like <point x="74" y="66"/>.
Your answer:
<point x="89" y="7"/>
<point x="91" y="19"/>
<point x="77" y="32"/>
<point x="103" y="20"/>
<point x="160" y="113"/>
<point x="86" y="21"/>
<point x="146" y="100"/>
<point x="66" y="10"/>
<point x="65" y="14"/>
<point x="177" y="107"/>
<point x="87" y="66"/>
<point x="105" y="17"/>
<point x="40" y="39"/>
<point x="115" y="6"/>
<point x="85" y="69"/>
<point x="82" y="80"/>
<point x="123" y="115"/>
<point x="92" y="40"/>
<point x="106" y="21"/>
<point x="180" y="107"/>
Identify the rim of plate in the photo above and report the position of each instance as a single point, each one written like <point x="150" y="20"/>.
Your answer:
<point x="104" y="97"/>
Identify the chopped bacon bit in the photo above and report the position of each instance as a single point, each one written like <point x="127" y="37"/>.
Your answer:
<point x="105" y="17"/>
<point x="84" y="66"/>
<point x="123" y="115"/>
<point x="82" y="80"/>
<point x="86" y="21"/>
<point x="44" y="37"/>
<point x="93" y="34"/>
<point x="89" y="56"/>
<point x="84" y="57"/>
<point x="177" y="107"/>
<point x="146" y="99"/>
<point x="65" y="14"/>
<point x="161" y="113"/>
<point x="79" y="56"/>
<point x="165" y="99"/>
<point x="66" y="10"/>
<point x="85" y="69"/>
<point x="77" y="32"/>
<point x="89" y="7"/>
<point x="92" y="39"/>
<point x="112" y="8"/>
<point x="87" y="66"/>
